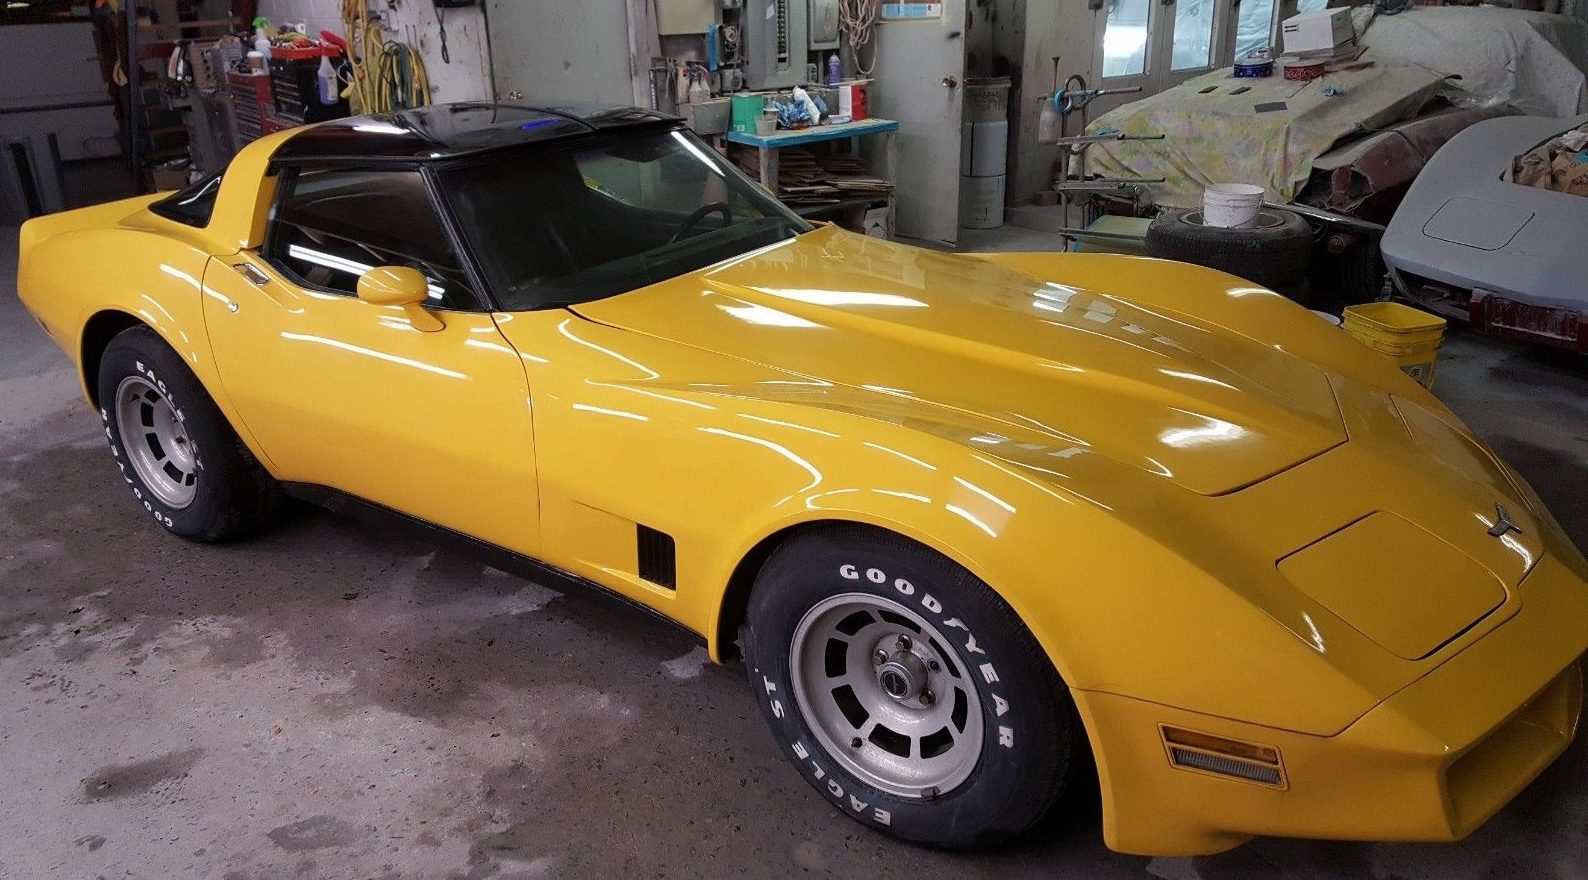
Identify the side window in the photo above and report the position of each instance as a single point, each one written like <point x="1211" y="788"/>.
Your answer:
<point x="333" y="225"/>
<point x="192" y="205"/>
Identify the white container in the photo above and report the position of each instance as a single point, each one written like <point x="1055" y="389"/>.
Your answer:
<point x="986" y="98"/>
<point x="1321" y="31"/>
<point x="1231" y="205"/>
<point x="981" y="202"/>
<point x="984" y="148"/>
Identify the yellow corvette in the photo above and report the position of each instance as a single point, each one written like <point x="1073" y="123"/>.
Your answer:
<point x="971" y="522"/>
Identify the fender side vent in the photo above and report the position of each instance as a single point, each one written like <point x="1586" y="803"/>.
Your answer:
<point x="1224" y="757"/>
<point x="658" y="557"/>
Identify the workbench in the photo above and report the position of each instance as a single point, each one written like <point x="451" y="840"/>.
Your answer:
<point x="879" y="163"/>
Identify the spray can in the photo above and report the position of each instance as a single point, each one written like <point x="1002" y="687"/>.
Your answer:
<point x="834" y="70"/>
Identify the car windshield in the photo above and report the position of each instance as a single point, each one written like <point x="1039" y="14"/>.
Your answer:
<point x="588" y="222"/>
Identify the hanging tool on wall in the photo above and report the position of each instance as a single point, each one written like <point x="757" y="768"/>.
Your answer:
<point x="441" y="25"/>
<point x="386" y="75"/>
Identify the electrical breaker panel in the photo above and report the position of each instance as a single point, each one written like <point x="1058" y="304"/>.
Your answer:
<point x="776" y="43"/>
<point x="824" y="24"/>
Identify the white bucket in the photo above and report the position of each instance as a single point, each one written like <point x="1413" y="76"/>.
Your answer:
<point x="981" y="202"/>
<point x="1231" y="205"/>
<point x="983" y="148"/>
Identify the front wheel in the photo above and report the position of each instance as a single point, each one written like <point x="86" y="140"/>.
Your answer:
<point x="906" y="691"/>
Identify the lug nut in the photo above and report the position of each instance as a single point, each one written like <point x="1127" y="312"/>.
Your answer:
<point x="934" y="665"/>
<point x="905" y="643"/>
<point x="927" y="697"/>
<point x="880" y="657"/>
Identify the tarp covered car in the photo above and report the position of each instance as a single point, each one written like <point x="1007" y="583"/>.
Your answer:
<point x="1472" y="241"/>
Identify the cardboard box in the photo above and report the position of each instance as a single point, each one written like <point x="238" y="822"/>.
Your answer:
<point x="1322" y="31"/>
<point x="877" y="223"/>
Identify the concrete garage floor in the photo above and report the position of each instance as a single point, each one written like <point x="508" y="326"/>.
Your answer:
<point x="327" y="702"/>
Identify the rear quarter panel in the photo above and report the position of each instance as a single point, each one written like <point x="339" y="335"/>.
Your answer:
<point x="118" y="258"/>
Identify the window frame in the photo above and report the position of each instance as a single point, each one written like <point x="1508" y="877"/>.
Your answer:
<point x="287" y="175"/>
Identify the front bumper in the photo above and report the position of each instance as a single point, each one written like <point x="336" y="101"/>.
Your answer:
<point x="1430" y="763"/>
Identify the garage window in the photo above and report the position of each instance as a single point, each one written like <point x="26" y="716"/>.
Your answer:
<point x="333" y="225"/>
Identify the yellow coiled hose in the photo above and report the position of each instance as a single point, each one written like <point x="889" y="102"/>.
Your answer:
<point x="386" y="75"/>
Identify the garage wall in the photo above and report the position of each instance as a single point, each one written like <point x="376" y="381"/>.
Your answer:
<point x="467" y="78"/>
<point x="1066" y="28"/>
<point x="562" y="50"/>
<point x="70" y="103"/>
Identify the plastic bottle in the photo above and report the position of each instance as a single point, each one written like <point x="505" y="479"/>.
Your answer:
<point x="699" y="92"/>
<point x="834" y="70"/>
<point x="803" y="99"/>
<point x="262" y="45"/>
<point x="328" y="83"/>
<point x="1050" y="124"/>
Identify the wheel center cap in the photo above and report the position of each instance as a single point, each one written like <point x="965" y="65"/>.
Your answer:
<point x="902" y="676"/>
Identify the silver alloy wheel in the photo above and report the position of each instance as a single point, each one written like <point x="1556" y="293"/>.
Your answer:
<point x="155" y="442"/>
<point x="887" y="695"/>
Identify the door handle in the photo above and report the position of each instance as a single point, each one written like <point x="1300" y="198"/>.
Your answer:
<point x="254" y="276"/>
<point x="950" y="82"/>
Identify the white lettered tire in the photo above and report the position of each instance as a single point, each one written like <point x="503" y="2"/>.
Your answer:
<point x="185" y="465"/>
<point x="907" y="693"/>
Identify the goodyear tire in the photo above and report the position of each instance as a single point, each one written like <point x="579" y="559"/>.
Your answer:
<point x="905" y="691"/>
<point x="184" y="463"/>
<point x="1274" y="254"/>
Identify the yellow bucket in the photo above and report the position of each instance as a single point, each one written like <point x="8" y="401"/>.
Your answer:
<point x="1410" y="337"/>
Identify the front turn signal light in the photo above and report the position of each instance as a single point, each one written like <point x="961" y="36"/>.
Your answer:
<point x="1229" y="758"/>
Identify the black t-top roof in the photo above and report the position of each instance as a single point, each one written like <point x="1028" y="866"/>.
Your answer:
<point x="444" y="131"/>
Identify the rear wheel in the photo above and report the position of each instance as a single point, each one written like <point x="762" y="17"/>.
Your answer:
<point x="1274" y="253"/>
<point x="907" y="692"/>
<point x="1359" y="275"/>
<point x="177" y="452"/>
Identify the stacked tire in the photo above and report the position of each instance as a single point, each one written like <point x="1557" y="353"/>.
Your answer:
<point x="1276" y="252"/>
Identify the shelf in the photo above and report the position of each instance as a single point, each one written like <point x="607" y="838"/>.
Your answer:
<point x="186" y="25"/>
<point x="851" y="202"/>
<point x="802" y="136"/>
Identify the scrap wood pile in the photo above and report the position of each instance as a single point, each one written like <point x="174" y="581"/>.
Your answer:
<point x="804" y="178"/>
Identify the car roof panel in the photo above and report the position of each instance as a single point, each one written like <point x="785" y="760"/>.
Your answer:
<point x="445" y="131"/>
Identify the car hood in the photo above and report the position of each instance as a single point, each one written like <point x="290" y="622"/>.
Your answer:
<point x="1036" y="361"/>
